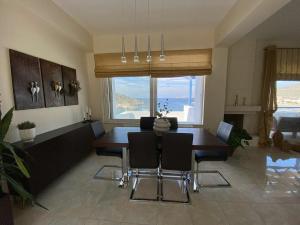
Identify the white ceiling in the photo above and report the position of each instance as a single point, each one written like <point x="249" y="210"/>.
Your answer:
<point x="106" y="17"/>
<point x="283" y="25"/>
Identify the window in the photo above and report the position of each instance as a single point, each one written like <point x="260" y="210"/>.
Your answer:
<point x="133" y="97"/>
<point x="130" y="97"/>
<point x="288" y="98"/>
<point x="184" y="96"/>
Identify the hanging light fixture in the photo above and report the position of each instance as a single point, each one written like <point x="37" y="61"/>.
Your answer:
<point x="149" y="57"/>
<point x="162" y="56"/>
<point x="123" y="56"/>
<point x="136" y="58"/>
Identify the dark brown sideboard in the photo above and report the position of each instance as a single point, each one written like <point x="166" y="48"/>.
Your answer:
<point x="53" y="153"/>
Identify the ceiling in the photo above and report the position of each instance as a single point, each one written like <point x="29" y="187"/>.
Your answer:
<point x="110" y="17"/>
<point x="283" y="25"/>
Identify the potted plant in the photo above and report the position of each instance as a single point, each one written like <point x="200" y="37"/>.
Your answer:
<point x="27" y="131"/>
<point x="161" y="123"/>
<point x="238" y="138"/>
<point x="14" y="165"/>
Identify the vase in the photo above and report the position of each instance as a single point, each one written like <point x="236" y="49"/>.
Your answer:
<point x="161" y="125"/>
<point x="27" y="135"/>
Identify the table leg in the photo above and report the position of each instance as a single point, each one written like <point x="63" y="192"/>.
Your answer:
<point x="193" y="178"/>
<point x="124" y="179"/>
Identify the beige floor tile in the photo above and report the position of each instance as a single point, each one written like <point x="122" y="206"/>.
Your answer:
<point x="241" y="214"/>
<point x="259" y="195"/>
<point x="207" y="213"/>
<point x="174" y="214"/>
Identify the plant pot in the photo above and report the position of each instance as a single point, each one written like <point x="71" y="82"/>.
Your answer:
<point x="161" y="125"/>
<point x="27" y="135"/>
<point x="6" y="216"/>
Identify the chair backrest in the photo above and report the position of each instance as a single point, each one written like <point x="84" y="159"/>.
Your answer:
<point x="224" y="131"/>
<point x="98" y="129"/>
<point x="146" y="123"/>
<point x="177" y="151"/>
<point x="143" y="151"/>
<point x="174" y="123"/>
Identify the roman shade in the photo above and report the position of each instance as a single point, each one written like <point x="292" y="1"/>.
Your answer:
<point x="195" y="62"/>
<point x="288" y="64"/>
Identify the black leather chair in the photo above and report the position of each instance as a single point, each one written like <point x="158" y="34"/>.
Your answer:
<point x="223" y="133"/>
<point x="176" y="157"/>
<point x="174" y="122"/>
<point x="117" y="152"/>
<point x="146" y="123"/>
<point x="143" y="158"/>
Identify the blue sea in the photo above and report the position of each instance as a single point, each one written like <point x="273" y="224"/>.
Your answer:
<point x="174" y="104"/>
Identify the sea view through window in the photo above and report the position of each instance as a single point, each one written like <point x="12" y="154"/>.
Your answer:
<point x="132" y="97"/>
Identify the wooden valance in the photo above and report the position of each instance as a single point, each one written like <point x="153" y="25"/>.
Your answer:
<point x="288" y="63"/>
<point x="177" y="63"/>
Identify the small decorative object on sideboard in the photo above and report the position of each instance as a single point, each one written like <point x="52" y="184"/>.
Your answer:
<point x="27" y="131"/>
<point x="161" y="123"/>
<point x="74" y="87"/>
<point x="87" y="115"/>
<point x="57" y="87"/>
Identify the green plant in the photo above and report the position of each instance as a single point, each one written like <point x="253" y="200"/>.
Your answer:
<point x="163" y="111"/>
<point x="26" y="125"/>
<point x="238" y="137"/>
<point x="14" y="165"/>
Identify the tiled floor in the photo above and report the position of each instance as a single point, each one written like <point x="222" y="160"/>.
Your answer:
<point x="265" y="190"/>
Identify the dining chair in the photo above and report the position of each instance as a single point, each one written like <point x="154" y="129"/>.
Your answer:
<point x="176" y="160"/>
<point x="174" y="122"/>
<point x="143" y="159"/>
<point x="223" y="133"/>
<point x="99" y="131"/>
<point x="146" y="123"/>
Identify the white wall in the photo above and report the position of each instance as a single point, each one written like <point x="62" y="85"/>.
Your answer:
<point x="245" y="70"/>
<point x="24" y="31"/>
<point x="215" y="90"/>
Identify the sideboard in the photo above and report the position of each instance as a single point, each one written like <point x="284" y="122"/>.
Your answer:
<point x="53" y="153"/>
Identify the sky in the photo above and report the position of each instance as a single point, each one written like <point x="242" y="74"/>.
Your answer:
<point x="284" y="84"/>
<point x="138" y="87"/>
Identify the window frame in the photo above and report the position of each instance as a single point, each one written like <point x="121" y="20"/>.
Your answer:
<point x="153" y="104"/>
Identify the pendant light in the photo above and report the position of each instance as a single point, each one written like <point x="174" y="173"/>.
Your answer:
<point x="149" y="57"/>
<point x="162" y="56"/>
<point x="123" y="56"/>
<point x="136" y="58"/>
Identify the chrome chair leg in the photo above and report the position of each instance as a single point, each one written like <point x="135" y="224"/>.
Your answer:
<point x="211" y="185"/>
<point x="185" y="180"/>
<point x="136" y="175"/>
<point x="100" y="177"/>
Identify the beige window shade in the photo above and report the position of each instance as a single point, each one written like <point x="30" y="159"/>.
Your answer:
<point x="288" y="64"/>
<point x="177" y="63"/>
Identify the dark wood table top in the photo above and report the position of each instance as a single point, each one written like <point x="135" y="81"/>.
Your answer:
<point x="202" y="138"/>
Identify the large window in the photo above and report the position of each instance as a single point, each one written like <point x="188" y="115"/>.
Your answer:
<point x="130" y="97"/>
<point x="288" y="98"/>
<point x="133" y="97"/>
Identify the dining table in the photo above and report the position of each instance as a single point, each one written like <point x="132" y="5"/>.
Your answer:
<point x="202" y="140"/>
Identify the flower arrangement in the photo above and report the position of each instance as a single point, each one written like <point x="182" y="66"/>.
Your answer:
<point x="163" y="110"/>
